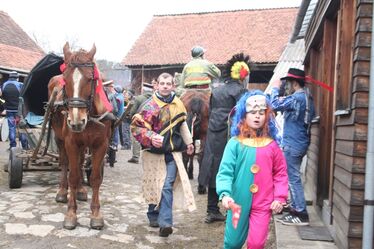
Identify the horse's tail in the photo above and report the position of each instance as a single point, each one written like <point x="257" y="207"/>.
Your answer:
<point x="194" y="116"/>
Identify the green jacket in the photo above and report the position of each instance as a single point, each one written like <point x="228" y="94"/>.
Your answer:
<point x="199" y="72"/>
<point x="137" y="101"/>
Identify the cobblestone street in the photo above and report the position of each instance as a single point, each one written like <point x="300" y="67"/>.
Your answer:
<point x="30" y="217"/>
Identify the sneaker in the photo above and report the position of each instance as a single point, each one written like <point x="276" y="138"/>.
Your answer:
<point x="153" y="223"/>
<point x="280" y="218"/>
<point x="213" y="217"/>
<point x="133" y="160"/>
<point x="165" y="231"/>
<point x="295" y="220"/>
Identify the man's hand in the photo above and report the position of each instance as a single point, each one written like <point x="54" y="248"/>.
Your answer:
<point x="276" y="206"/>
<point x="190" y="149"/>
<point x="157" y="140"/>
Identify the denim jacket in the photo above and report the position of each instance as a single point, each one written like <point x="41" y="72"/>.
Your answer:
<point x="298" y="110"/>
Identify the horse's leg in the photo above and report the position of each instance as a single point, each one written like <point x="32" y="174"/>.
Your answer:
<point x="96" y="178"/>
<point x="190" y="166"/>
<point x="185" y="159"/>
<point x="62" y="194"/>
<point x="200" y="188"/>
<point x="72" y="150"/>
<point x="82" y="191"/>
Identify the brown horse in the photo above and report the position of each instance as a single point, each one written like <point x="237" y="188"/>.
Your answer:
<point x="85" y="125"/>
<point x="57" y="122"/>
<point x="197" y="105"/>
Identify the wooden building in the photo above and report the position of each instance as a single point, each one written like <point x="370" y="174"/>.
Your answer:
<point x="337" y="46"/>
<point x="165" y="45"/>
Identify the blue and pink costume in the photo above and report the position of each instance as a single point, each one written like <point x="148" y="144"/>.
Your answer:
<point x="253" y="172"/>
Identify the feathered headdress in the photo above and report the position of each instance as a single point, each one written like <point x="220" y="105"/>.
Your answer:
<point x="237" y="67"/>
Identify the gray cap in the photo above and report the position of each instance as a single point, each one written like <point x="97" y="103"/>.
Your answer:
<point x="118" y="88"/>
<point x="197" y="51"/>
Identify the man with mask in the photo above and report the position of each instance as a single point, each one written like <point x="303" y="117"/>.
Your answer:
<point x="298" y="111"/>
<point x="222" y="101"/>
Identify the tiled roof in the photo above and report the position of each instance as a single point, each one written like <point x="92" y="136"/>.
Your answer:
<point x="17" y="49"/>
<point x="17" y="58"/>
<point x="168" y="39"/>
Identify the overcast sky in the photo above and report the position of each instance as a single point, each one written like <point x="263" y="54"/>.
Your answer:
<point x="113" y="25"/>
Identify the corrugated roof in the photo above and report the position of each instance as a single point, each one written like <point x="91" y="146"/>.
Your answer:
<point x="292" y="57"/>
<point x="17" y="50"/>
<point x="294" y="54"/>
<point x="168" y="39"/>
<point x="307" y="17"/>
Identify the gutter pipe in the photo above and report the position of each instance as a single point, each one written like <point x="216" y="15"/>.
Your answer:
<point x="367" y="230"/>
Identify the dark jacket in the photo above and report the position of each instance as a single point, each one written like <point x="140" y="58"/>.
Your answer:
<point x="10" y="93"/>
<point x="222" y="100"/>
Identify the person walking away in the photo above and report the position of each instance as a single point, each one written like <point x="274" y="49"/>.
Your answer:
<point x="128" y="94"/>
<point x="120" y="99"/>
<point x="298" y="112"/>
<point x="10" y="92"/>
<point x="252" y="173"/>
<point x="199" y="72"/>
<point x="137" y="101"/>
<point x="222" y="101"/>
<point x="160" y="126"/>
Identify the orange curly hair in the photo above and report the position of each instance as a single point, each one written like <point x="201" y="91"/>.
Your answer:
<point x="248" y="132"/>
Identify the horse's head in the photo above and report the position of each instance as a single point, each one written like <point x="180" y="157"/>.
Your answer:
<point x="80" y="77"/>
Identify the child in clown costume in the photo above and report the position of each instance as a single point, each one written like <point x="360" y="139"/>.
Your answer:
<point x="252" y="173"/>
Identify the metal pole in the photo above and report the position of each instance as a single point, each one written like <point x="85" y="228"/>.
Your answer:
<point x="367" y="232"/>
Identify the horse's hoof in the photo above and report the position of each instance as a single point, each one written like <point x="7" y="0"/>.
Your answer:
<point x="97" y="223"/>
<point x="190" y="176"/>
<point x="201" y="190"/>
<point x="70" y="223"/>
<point x="82" y="196"/>
<point x="61" y="198"/>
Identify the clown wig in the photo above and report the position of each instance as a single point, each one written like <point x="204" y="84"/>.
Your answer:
<point x="241" y="129"/>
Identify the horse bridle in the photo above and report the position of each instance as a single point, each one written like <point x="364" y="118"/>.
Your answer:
<point x="80" y="102"/>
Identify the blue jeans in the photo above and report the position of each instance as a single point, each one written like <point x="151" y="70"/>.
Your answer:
<point x="11" y="116"/>
<point x="164" y="215"/>
<point x="294" y="158"/>
<point x="115" y="138"/>
<point x="126" y="135"/>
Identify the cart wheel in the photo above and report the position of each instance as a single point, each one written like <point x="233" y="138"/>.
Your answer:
<point x="15" y="168"/>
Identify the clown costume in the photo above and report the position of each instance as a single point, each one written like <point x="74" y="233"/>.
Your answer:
<point x="252" y="172"/>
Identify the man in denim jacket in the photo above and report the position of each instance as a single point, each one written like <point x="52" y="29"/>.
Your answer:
<point x="298" y="110"/>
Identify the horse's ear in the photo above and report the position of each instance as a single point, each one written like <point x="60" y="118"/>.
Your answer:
<point x="92" y="51"/>
<point x="67" y="51"/>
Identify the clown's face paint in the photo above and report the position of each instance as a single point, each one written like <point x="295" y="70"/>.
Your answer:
<point x="255" y="119"/>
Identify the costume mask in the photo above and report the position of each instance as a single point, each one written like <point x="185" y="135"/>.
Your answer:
<point x="255" y="103"/>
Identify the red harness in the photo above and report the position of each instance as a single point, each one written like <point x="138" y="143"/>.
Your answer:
<point x="99" y="87"/>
